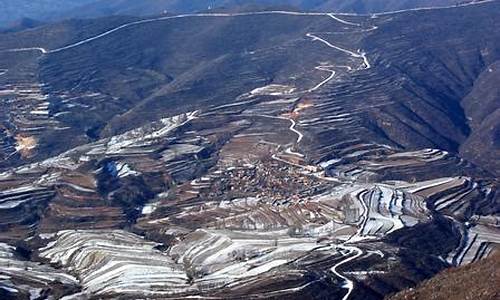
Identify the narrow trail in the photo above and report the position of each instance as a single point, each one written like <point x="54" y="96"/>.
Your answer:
<point x="322" y="83"/>
<point x="300" y="136"/>
<point x="327" y="68"/>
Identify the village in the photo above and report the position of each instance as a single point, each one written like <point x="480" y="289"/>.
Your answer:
<point x="269" y="179"/>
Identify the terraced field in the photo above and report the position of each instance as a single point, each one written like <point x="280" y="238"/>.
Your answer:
<point x="243" y="155"/>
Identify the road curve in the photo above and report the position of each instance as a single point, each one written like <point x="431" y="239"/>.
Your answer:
<point x="42" y="50"/>
<point x="349" y="283"/>
<point x="362" y="55"/>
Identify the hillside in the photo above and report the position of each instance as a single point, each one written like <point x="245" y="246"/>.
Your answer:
<point x="249" y="154"/>
<point x="478" y="280"/>
<point x="50" y="10"/>
<point x="13" y="11"/>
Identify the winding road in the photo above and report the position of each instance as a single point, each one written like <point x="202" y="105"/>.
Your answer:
<point x="349" y="283"/>
<point x="362" y="55"/>
<point x="322" y="83"/>
<point x="290" y="150"/>
<point x="334" y="16"/>
<point x="353" y="252"/>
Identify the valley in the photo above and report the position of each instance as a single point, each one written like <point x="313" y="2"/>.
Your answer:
<point x="247" y="155"/>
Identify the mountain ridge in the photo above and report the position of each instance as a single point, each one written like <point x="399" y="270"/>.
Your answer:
<point x="247" y="155"/>
<point x="48" y="10"/>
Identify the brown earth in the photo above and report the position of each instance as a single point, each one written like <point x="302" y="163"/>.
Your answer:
<point x="477" y="281"/>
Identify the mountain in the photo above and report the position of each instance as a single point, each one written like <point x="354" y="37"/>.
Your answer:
<point x="248" y="154"/>
<point x="23" y="24"/>
<point x="482" y="108"/>
<point x="47" y="10"/>
<point x="13" y="11"/>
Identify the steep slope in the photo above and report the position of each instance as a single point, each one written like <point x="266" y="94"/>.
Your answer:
<point x="482" y="108"/>
<point x="184" y="57"/>
<point x="434" y="74"/>
<point x="169" y="66"/>
<point x="475" y="281"/>
<point x="245" y="155"/>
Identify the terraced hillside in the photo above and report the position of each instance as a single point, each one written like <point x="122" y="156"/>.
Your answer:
<point x="245" y="155"/>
